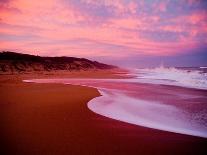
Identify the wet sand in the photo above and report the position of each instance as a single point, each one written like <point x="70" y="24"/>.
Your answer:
<point x="54" y="119"/>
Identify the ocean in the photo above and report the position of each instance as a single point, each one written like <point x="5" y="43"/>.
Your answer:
<point x="191" y="77"/>
<point x="168" y="99"/>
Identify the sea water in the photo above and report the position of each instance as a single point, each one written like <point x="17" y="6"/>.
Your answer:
<point x="168" y="99"/>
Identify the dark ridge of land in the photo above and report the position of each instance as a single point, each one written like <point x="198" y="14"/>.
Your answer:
<point x="16" y="62"/>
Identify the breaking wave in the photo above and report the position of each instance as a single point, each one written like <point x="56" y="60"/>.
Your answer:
<point x="184" y="77"/>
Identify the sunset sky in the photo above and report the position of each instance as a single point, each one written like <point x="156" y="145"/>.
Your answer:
<point x="122" y="32"/>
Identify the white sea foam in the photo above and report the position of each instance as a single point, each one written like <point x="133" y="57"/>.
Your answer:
<point x="173" y="76"/>
<point x="117" y="104"/>
<point x="161" y="75"/>
<point x="145" y="113"/>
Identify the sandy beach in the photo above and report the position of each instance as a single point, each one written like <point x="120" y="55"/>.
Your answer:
<point x="54" y="119"/>
<point x="103" y="77"/>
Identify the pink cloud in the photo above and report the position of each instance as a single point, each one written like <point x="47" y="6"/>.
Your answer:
<point x="193" y="24"/>
<point x="162" y="6"/>
<point x="52" y="21"/>
<point x="197" y="18"/>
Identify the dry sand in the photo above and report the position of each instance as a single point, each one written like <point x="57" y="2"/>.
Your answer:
<point x="54" y="119"/>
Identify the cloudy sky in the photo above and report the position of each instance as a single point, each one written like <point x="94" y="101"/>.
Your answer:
<point x="123" y="32"/>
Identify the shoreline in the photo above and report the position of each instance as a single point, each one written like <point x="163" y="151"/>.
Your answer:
<point x="120" y="105"/>
<point x="54" y="119"/>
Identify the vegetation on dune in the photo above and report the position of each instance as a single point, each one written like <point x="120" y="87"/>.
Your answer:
<point x="17" y="62"/>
